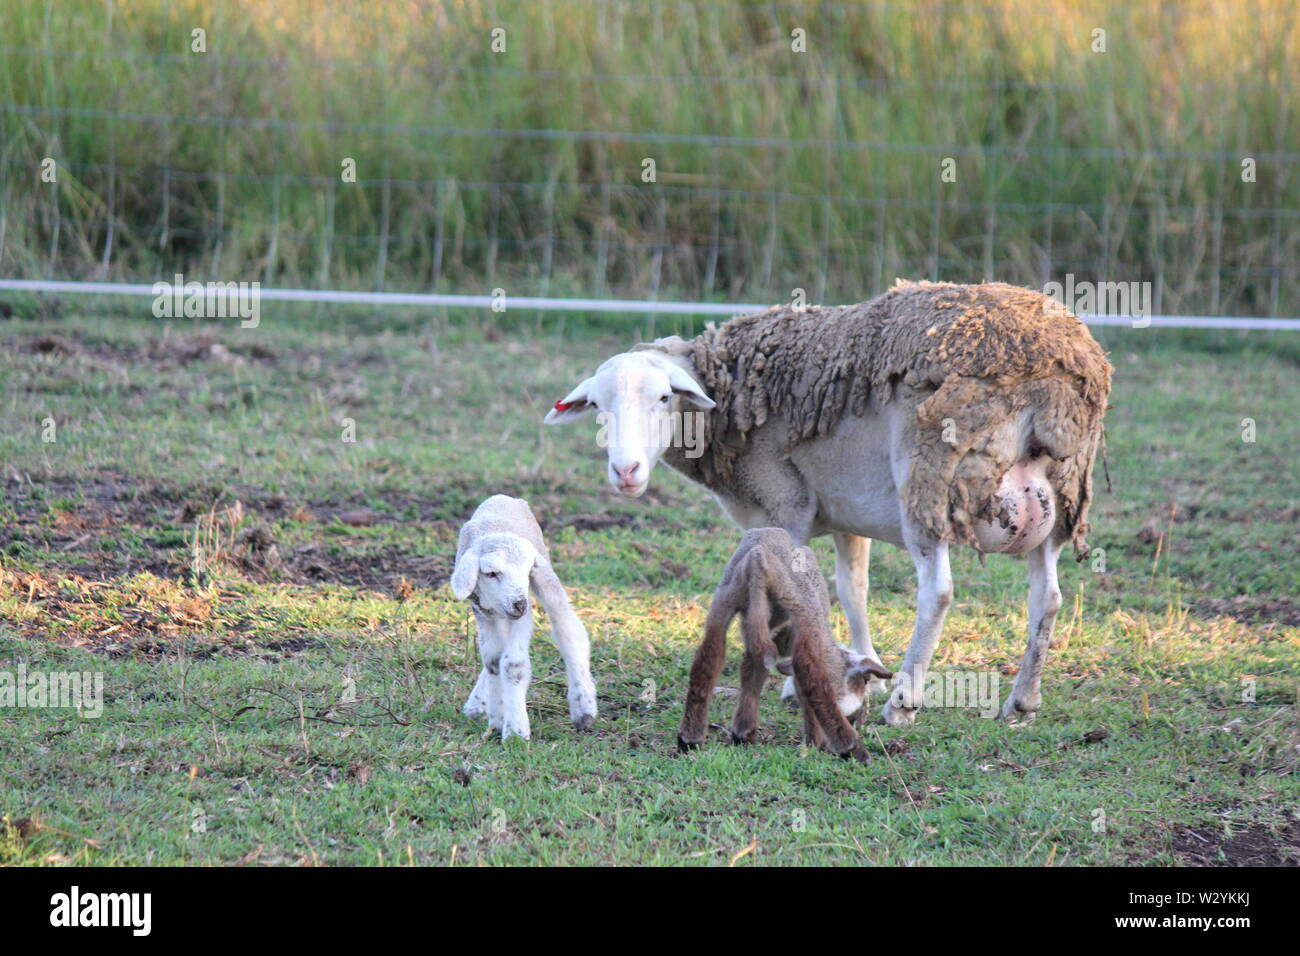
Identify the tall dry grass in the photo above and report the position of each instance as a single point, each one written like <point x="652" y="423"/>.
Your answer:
<point x="775" y="169"/>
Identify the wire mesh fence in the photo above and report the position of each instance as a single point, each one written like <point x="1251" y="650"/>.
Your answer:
<point x="655" y="150"/>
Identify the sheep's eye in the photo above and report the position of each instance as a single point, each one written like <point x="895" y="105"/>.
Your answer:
<point x="665" y="399"/>
<point x="492" y="574"/>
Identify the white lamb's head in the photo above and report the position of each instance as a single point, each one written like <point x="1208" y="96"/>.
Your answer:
<point x="851" y="674"/>
<point x="494" y="573"/>
<point x="640" y="399"/>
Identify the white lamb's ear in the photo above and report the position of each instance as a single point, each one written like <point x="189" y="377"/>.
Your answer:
<point x="540" y="563"/>
<point x="689" y="389"/>
<point x="572" y="406"/>
<point x="464" y="577"/>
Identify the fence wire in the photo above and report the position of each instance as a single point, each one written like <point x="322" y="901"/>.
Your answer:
<point x="239" y="188"/>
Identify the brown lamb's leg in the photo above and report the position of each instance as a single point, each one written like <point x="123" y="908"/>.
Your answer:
<point x="812" y="731"/>
<point x="818" y="697"/>
<point x="705" y="669"/>
<point x="753" y="666"/>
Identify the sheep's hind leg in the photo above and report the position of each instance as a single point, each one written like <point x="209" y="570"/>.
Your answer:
<point x="1044" y="602"/>
<point x="753" y="669"/>
<point x="933" y="597"/>
<point x="852" y="564"/>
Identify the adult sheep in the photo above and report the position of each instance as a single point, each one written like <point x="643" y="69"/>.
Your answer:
<point x="932" y="415"/>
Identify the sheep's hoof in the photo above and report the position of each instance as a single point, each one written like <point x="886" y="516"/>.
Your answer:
<point x="898" y="716"/>
<point x="686" y="746"/>
<point x="1015" y="709"/>
<point x="584" y="723"/>
<point x="521" y="732"/>
<point x="741" y="740"/>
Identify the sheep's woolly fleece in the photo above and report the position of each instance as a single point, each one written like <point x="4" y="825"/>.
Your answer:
<point x="979" y="355"/>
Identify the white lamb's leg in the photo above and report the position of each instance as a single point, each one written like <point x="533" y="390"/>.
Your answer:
<point x="852" y="561"/>
<point x="1044" y="602"/>
<point x="516" y="671"/>
<point x="575" y="646"/>
<point x="491" y="642"/>
<point x="476" y="703"/>
<point x="933" y="597"/>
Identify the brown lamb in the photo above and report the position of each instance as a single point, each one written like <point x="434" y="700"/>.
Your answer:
<point x="779" y="592"/>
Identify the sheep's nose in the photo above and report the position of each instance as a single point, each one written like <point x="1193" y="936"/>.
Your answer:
<point x="627" y="472"/>
<point x="519" y="607"/>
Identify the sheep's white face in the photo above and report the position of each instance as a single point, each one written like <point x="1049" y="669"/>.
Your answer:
<point x="858" y="672"/>
<point x="639" y="398"/>
<point x="494" y="575"/>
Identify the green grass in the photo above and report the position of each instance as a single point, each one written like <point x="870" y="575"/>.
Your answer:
<point x="1123" y="165"/>
<point x="226" y="737"/>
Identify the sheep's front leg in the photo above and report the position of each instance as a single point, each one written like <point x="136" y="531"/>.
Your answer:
<point x="476" y="704"/>
<point x="852" y="563"/>
<point x="933" y="597"/>
<point x="516" y="672"/>
<point x="1044" y="602"/>
<point x="574" y="644"/>
<point x="491" y="642"/>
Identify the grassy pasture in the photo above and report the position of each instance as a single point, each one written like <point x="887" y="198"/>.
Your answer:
<point x="200" y="533"/>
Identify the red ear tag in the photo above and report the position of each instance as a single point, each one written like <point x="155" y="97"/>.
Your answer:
<point x="562" y="407"/>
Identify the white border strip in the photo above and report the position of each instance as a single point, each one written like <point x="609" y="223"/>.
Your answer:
<point x="591" y="305"/>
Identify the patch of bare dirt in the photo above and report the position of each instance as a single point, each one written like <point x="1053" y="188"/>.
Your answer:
<point x="93" y="512"/>
<point x="1249" y="610"/>
<point x="591" y="522"/>
<point x="389" y="570"/>
<point x="107" y="525"/>
<point x="170" y="351"/>
<point x="140" y="614"/>
<point x="1256" y="845"/>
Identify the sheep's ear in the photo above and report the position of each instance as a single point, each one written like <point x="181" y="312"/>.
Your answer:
<point x="862" y="666"/>
<point x="785" y="667"/>
<point x="540" y="563"/>
<point x="464" y="577"/>
<point x="689" y="389"/>
<point x="539" y="559"/>
<point x="572" y="406"/>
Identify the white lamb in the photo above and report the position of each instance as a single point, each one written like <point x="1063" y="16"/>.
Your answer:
<point x="501" y="554"/>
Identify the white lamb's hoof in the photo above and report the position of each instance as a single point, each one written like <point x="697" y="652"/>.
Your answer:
<point x="787" y="692"/>
<point x="474" y="707"/>
<point x="510" y="728"/>
<point x="582" y="707"/>
<point x="898" y="716"/>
